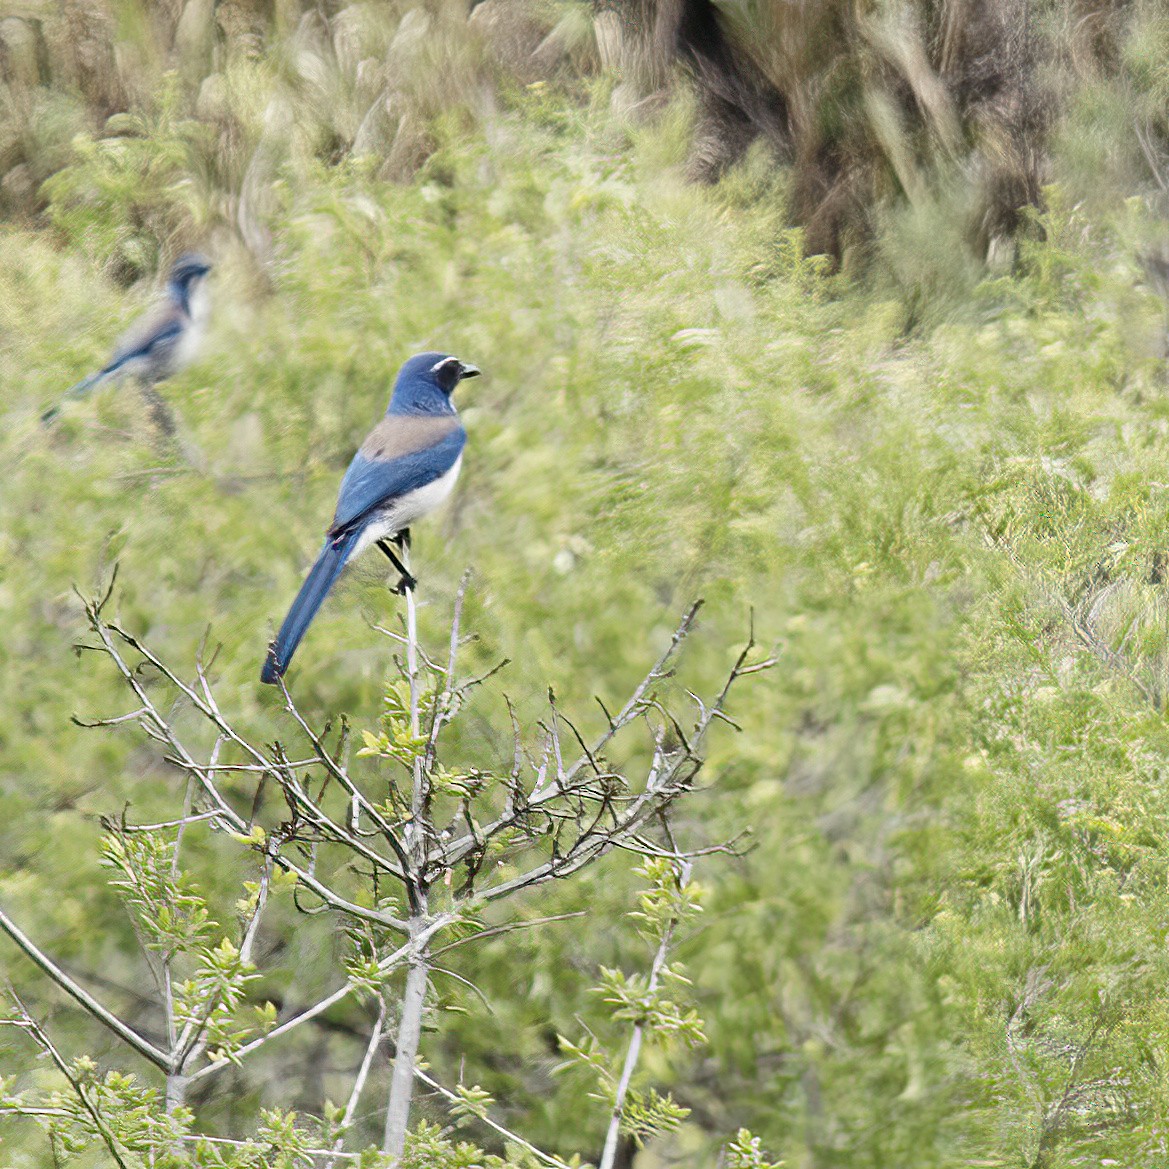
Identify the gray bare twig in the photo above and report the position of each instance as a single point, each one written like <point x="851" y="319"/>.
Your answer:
<point x="101" y="1013"/>
<point x="38" y="1033"/>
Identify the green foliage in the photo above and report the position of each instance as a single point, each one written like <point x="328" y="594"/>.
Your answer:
<point x="132" y="191"/>
<point x="170" y="913"/>
<point x="746" y="1152"/>
<point x="211" y="997"/>
<point x="634" y="1002"/>
<point x="641" y="1002"/>
<point x="427" y="1147"/>
<point x="944" y="939"/>
<point x="649" y="1115"/>
<point x="130" y="1110"/>
<point x="473" y="1102"/>
<point x="396" y="741"/>
<point x="667" y="900"/>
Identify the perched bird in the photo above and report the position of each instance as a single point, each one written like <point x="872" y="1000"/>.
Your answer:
<point x="161" y="342"/>
<point x="404" y="469"/>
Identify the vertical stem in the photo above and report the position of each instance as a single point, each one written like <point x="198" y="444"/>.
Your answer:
<point x="418" y="801"/>
<point x="176" y="1082"/>
<point x="417" y="976"/>
<point x="609" y="1154"/>
<point x="409" y="1032"/>
<point x="375" y="1038"/>
<point x="176" y="1091"/>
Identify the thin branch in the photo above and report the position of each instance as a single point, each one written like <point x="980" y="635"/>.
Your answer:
<point x="342" y="777"/>
<point x="506" y="1133"/>
<point x="385" y="966"/>
<point x="38" y="1033"/>
<point x="16" y="1109"/>
<point x="401" y="639"/>
<point x="451" y="853"/>
<point x="442" y="708"/>
<point x="82" y="996"/>
<point x="465" y="981"/>
<point x="509" y="928"/>
<point x="416" y="834"/>
<point x="633" y="1054"/>
<point x="418" y="973"/>
<point x="318" y="1008"/>
<point x="668" y="777"/>
<point x="196" y="818"/>
<point x="175" y="1083"/>
<point x="375" y="1038"/>
<point x="87" y="724"/>
<point x="643" y="847"/>
<point x="660" y="670"/>
<point x="155" y="725"/>
<point x="230" y="1142"/>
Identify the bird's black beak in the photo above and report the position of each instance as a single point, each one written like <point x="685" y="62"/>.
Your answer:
<point x="468" y="371"/>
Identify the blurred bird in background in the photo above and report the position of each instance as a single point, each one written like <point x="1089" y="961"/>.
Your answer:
<point x="158" y="345"/>
<point x="404" y="470"/>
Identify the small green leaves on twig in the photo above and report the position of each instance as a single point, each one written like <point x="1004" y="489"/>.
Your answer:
<point x="667" y="899"/>
<point x="746" y="1152"/>
<point x="170" y="913"/>
<point x="396" y="740"/>
<point x="473" y="1102"/>
<point x="633" y="1001"/>
<point x="649" y="1114"/>
<point x="209" y="1000"/>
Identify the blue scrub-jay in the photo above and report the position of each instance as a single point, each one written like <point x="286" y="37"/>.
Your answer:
<point x="161" y="342"/>
<point x="404" y="469"/>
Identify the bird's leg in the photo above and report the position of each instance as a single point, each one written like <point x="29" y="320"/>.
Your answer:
<point x="160" y="413"/>
<point x="167" y="425"/>
<point x="402" y="539"/>
<point x="407" y="581"/>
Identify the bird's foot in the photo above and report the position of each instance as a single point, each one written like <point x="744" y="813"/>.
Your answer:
<point x="407" y="583"/>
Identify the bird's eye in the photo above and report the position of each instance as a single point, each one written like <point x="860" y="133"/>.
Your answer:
<point x="445" y="364"/>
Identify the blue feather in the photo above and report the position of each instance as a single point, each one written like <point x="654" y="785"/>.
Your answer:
<point x="312" y="594"/>
<point x="83" y="387"/>
<point x="368" y="483"/>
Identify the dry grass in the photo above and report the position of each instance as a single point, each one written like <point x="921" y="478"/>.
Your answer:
<point x="867" y="107"/>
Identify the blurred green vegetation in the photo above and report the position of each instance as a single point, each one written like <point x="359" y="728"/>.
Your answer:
<point x="942" y="492"/>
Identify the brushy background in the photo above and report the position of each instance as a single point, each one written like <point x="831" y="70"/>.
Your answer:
<point x="875" y="349"/>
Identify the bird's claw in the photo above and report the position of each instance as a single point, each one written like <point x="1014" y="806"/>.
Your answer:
<point x="406" y="584"/>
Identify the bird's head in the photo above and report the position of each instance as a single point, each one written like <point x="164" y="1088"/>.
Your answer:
<point x="188" y="269"/>
<point x="425" y="383"/>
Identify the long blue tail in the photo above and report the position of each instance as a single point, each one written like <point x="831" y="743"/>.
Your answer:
<point x="312" y="593"/>
<point x="86" y="386"/>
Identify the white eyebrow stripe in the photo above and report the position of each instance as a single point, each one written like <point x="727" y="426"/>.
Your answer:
<point x="445" y="361"/>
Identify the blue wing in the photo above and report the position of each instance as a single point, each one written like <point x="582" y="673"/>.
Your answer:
<point x="152" y="346"/>
<point x="153" y="333"/>
<point x="370" y="483"/>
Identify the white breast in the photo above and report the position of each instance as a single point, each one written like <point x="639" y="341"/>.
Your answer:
<point x="407" y="509"/>
<point x="199" y="306"/>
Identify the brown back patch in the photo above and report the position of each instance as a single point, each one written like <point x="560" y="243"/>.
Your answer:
<point x="403" y="434"/>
